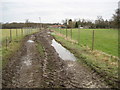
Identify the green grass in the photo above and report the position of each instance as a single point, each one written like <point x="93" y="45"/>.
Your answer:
<point x="106" y="69"/>
<point x="12" y="47"/>
<point x="16" y="33"/>
<point x="106" y="40"/>
<point x="40" y="49"/>
<point x="7" y="53"/>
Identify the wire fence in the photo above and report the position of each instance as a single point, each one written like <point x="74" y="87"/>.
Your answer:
<point x="11" y="35"/>
<point x="105" y="40"/>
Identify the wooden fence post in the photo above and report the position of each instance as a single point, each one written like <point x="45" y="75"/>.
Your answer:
<point x="21" y="31"/>
<point x="93" y="36"/>
<point x="25" y="31"/>
<point x="6" y="42"/>
<point x="59" y="29"/>
<point x="10" y="35"/>
<point x="16" y="33"/>
<point x="28" y="30"/>
<point x="66" y="32"/>
<point x="71" y="33"/>
<point x="33" y="30"/>
<point x="78" y="36"/>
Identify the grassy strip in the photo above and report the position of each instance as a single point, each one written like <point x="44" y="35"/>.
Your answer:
<point x="41" y="50"/>
<point x="108" y="69"/>
<point x="10" y="50"/>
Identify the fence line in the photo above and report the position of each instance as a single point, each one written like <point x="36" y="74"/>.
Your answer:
<point x="18" y="32"/>
<point x="65" y="32"/>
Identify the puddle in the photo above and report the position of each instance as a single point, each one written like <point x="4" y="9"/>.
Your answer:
<point x="27" y="62"/>
<point x="30" y="41"/>
<point x="48" y="32"/>
<point x="63" y="52"/>
<point x="70" y="65"/>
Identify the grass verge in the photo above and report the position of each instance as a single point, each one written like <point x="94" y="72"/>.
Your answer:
<point x="10" y="50"/>
<point x="104" y="66"/>
<point x="40" y="49"/>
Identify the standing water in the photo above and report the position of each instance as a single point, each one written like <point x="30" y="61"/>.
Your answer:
<point x="30" y="41"/>
<point x="63" y="52"/>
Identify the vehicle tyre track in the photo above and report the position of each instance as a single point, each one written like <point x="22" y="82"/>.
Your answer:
<point x="28" y="69"/>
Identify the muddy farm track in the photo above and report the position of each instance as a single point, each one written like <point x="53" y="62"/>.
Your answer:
<point x="28" y="68"/>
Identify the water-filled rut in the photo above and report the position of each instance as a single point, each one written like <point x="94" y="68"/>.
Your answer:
<point x="63" y="52"/>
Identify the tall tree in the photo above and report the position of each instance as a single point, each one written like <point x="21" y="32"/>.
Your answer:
<point x="76" y="25"/>
<point x="116" y="18"/>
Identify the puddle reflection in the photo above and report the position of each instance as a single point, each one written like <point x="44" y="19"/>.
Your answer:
<point x="63" y="52"/>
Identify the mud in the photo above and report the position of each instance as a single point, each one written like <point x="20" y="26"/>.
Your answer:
<point x="28" y="69"/>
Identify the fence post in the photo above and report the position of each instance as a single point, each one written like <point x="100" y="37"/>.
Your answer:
<point x="32" y="30"/>
<point x="93" y="36"/>
<point x="16" y="33"/>
<point x="71" y="33"/>
<point x="6" y="43"/>
<point x="26" y="31"/>
<point x="21" y="31"/>
<point x="66" y="32"/>
<point x="59" y="29"/>
<point x="10" y="35"/>
<point x="78" y="36"/>
<point x="29" y="30"/>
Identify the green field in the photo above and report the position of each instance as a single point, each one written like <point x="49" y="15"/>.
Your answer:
<point x="106" y="40"/>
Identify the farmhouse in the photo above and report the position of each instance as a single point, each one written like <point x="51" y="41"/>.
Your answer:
<point x="58" y="26"/>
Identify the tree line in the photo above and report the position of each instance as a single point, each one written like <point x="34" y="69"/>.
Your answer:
<point x="114" y="22"/>
<point x="15" y="25"/>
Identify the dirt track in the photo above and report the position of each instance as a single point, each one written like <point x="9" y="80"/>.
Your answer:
<point x="28" y="69"/>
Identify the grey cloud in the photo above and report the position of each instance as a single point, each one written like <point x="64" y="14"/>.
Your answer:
<point x="56" y="10"/>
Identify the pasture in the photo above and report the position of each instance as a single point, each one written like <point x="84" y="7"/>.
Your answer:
<point x="16" y="33"/>
<point x="105" y="40"/>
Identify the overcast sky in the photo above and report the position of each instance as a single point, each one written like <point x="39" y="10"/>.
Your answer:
<point x="52" y="11"/>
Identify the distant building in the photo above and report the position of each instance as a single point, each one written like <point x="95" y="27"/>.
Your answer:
<point x="58" y="26"/>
